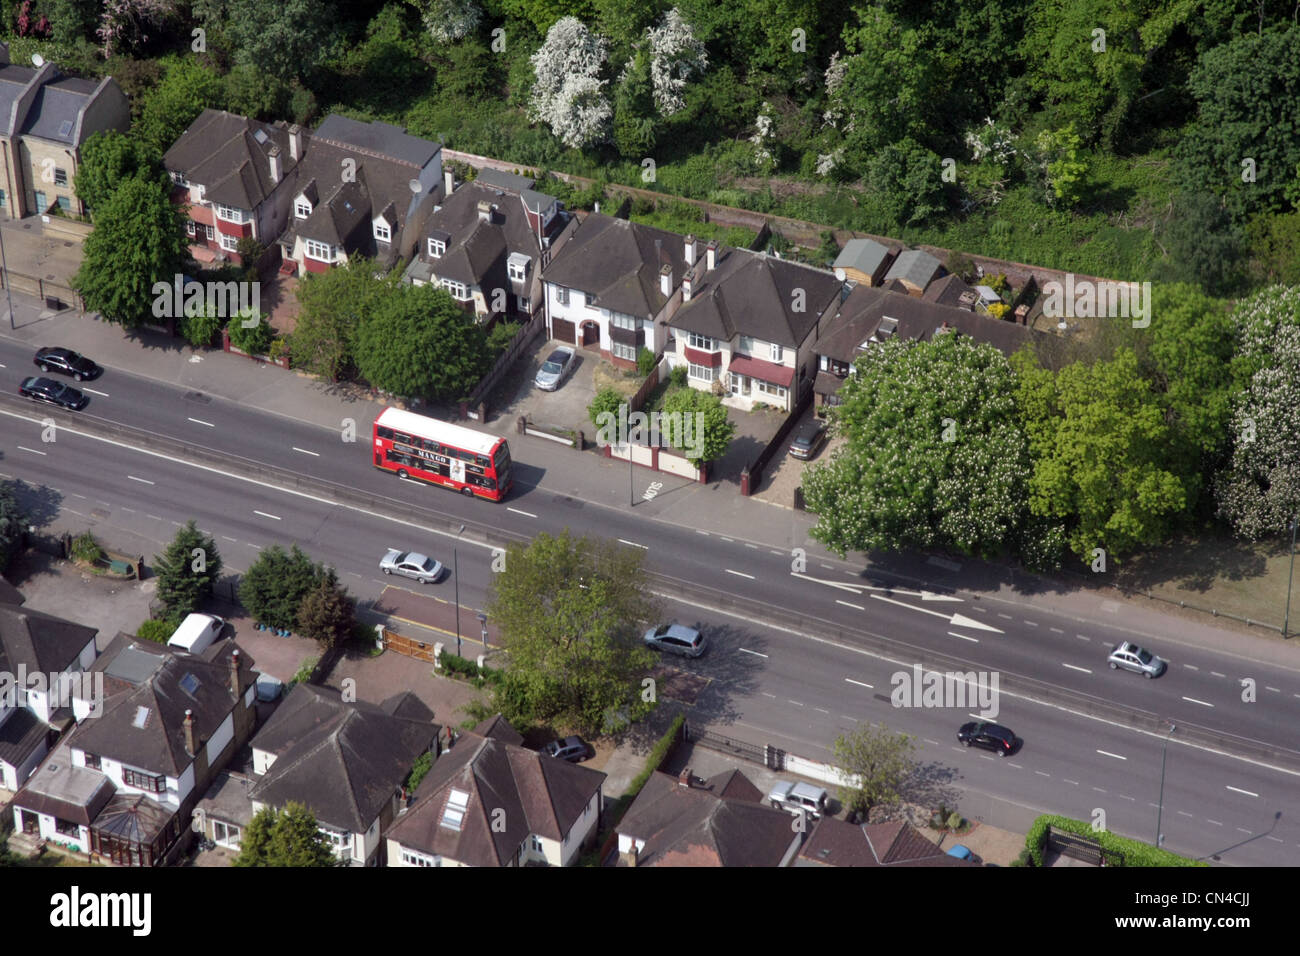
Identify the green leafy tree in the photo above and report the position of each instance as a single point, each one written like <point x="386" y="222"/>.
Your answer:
<point x="935" y="456"/>
<point x="1203" y="244"/>
<point x="201" y="330"/>
<point x="254" y="338"/>
<point x="571" y="611"/>
<point x="419" y="770"/>
<point x="254" y="93"/>
<point x="288" y="837"/>
<point x="418" y="343"/>
<point x="328" y="613"/>
<point x="138" y="240"/>
<point x="907" y="180"/>
<point x="607" y="400"/>
<point x="275" y="584"/>
<point x="158" y="630"/>
<point x="286" y="40"/>
<point x="499" y="339"/>
<point x="167" y="110"/>
<point x="108" y="159"/>
<point x="333" y="304"/>
<point x="877" y="762"/>
<point x="1060" y="167"/>
<point x="187" y="570"/>
<point x="71" y="20"/>
<point x="1100" y="443"/>
<point x="635" y="116"/>
<point x="12" y="522"/>
<point x="707" y="444"/>
<point x="1275" y="248"/>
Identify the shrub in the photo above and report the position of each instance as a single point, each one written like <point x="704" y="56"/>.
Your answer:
<point x="657" y="756"/>
<point x="645" y="362"/>
<point x="201" y="330"/>
<point x="955" y="821"/>
<point x="304" y="672"/>
<point x="254" y="339"/>
<point x="86" y="548"/>
<point x="499" y="339"/>
<point x="1135" y="853"/>
<point x="156" y="630"/>
<point x="678" y="376"/>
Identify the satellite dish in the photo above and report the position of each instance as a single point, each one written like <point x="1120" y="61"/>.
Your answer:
<point x="38" y="60"/>
<point x="416" y="186"/>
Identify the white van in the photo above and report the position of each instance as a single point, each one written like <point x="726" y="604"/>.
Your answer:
<point x="196" y="633"/>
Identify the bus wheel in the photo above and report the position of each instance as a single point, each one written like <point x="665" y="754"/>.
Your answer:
<point x="467" y="491"/>
<point x="401" y="473"/>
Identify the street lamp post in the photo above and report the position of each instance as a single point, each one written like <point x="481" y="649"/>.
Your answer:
<point x="1160" y="809"/>
<point x="482" y="620"/>
<point x="1286" y="621"/>
<point x="4" y="265"/>
<point x="631" y="478"/>
<point x="455" y="573"/>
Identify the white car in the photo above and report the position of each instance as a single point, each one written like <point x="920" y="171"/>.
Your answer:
<point x="196" y="633"/>
<point x="799" y="798"/>
<point x="411" y="564"/>
<point x="555" y="369"/>
<point x="676" y="639"/>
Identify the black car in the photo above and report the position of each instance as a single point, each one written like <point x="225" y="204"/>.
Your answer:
<point x="571" y="749"/>
<point x="67" y="362"/>
<point x="808" y="439"/>
<point x="993" y="737"/>
<point x="56" y="393"/>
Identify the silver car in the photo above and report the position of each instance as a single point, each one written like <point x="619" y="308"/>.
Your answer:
<point x="676" y="639"/>
<point x="798" y="798"/>
<point x="1137" y="659"/>
<point x="555" y="369"/>
<point x="411" y="564"/>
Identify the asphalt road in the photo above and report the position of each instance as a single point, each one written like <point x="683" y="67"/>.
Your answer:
<point x="771" y="685"/>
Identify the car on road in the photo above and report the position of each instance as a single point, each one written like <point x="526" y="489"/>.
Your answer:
<point x="571" y="749"/>
<point x="196" y="633"/>
<point x="411" y="564"/>
<point x="676" y="639"/>
<point x="798" y="798"/>
<point x="1137" y="659"/>
<point x="52" y="392"/>
<point x="808" y="440"/>
<point x="67" y="362"/>
<point x="555" y="369"/>
<point x="961" y="852"/>
<point x="993" y="737"/>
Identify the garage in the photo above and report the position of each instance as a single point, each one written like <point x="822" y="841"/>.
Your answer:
<point x="564" y="330"/>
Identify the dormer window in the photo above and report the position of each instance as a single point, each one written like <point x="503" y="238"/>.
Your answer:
<point x="231" y="214"/>
<point x="301" y="208"/>
<point x="321" y="251"/>
<point x="383" y="233"/>
<point x="436" y="248"/>
<point x="517" y="266"/>
<point x="179" y="179"/>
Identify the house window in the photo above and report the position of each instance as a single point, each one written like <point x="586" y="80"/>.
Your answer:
<point x="703" y="373"/>
<point x="561" y="295"/>
<point x="459" y="291"/>
<point x="189" y="228"/>
<point x="209" y="233"/>
<point x="322" y="251"/>
<point x="436" y="248"/>
<point x="231" y="214"/>
<point x="340" y="841"/>
<point x="703" y="343"/>
<point x="179" y="179"/>
<point x="382" y="232"/>
<point x="3" y="199"/>
<point x="537" y="844"/>
<point x="747" y="344"/>
<point x="67" y="828"/>
<point x="42" y="203"/>
<point x="411" y="858"/>
<point x="63" y="202"/>
<point x="777" y="352"/>
<point x="302" y="209"/>
<point x="621" y="321"/>
<point x="767" y="388"/>
<point x="518" y="271"/>
<point x="739" y="384"/>
<point x="619" y="350"/>
<point x="227" y="834"/>
<point x="144" y="781"/>
<point x="229" y="243"/>
<point x="92" y="761"/>
<point x="60" y="176"/>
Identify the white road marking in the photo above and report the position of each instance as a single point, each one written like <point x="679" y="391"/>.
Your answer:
<point x="1057" y="630"/>
<point x="526" y="514"/>
<point x="774" y="551"/>
<point x="93" y="391"/>
<point x="1273" y="689"/>
<point x="766" y="694"/>
<point x="1191" y="667"/>
<point x="1032" y="623"/>
<point x="850" y="680"/>
<point x="1217" y="674"/>
<point x="754" y="546"/>
<point x="155" y="517"/>
<point x="821" y="710"/>
<point x="1041" y="774"/>
<point x="935" y="742"/>
<point x="1124" y="796"/>
<point x="627" y="542"/>
<point x="229" y="538"/>
<point x="847" y="717"/>
<point x="1099" y="790"/>
<point x="1005" y="616"/>
<point x="698" y="531"/>
<point x="856" y="607"/>
<point x="199" y="421"/>
<point x="755" y="653"/>
<point x="1107" y="753"/>
<point x="1215" y="822"/>
<point x="75" y="495"/>
<point x="143" y="481"/>
<point x="795" y="702"/>
<point x="131" y="511"/>
<point x="1083" y="637"/>
<point x="973" y="640"/>
<point x="956" y="620"/>
<point x="32" y="450"/>
<point x="1181" y="813"/>
<point x="304" y="451"/>
<point x="265" y="515"/>
<point x="739" y="574"/>
<point x="725" y="538"/>
<point x="1073" y="668"/>
<point x="1246" y="792"/>
<point x="1193" y="700"/>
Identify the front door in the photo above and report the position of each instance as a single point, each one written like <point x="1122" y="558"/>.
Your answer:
<point x="31" y="822"/>
<point x="590" y="335"/>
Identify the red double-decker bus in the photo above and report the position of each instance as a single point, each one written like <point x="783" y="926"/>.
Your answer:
<point x="416" y="446"/>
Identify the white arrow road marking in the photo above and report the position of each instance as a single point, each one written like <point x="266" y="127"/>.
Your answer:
<point x="956" y="620"/>
<point x="859" y="588"/>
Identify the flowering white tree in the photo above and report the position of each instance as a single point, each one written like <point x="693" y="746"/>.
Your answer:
<point x="675" y="56"/>
<point x="449" y="20"/>
<point x="568" y="94"/>
<point x="834" y="80"/>
<point x="124" y="23"/>
<point x="763" y="136"/>
<point x="1259" y="491"/>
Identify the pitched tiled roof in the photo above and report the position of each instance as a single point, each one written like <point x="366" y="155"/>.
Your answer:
<point x="951" y="290"/>
<point x="499" y="728"/>
<point x="496" y="179"/>
<point x="864" y="255"/>
<point x="20" y="734"/>
<point x="538" y="794"/>
<point x="149" y="687"/>
<point x="915" y="266"/>
<point x="617" y="262"/>
<point x="345" y="761"/>
<point x="10" y="594"/>
<point x="41" y="642"/>
<point x="837" y="843"/>
<point x="229" y="155"/>
<point x="748" y="293"/>
<point x="692" y="826"/>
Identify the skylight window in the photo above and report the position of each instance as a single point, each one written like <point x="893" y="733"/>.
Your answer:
<point x="454" y="814"/>
<point x="189" y="684"/>
<point x="65" y="128"/>
<point x="141" y="717"/>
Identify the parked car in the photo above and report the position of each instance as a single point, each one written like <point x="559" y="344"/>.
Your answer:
<point x="808" y="440"/>
<point x="52" y="392"/>
<point x="676" y="639"/>
<point x="799" y="798"/>
<point x="67" y="362"/>
<point x="961" y="851"/>
<point x="1137" y="659"/>
<point x="196" y="633"/>
<point x="411" y="564"/>
<point x="555" y="369"/>
<point x="571" y="749"/>
<point x="993" y="737"/>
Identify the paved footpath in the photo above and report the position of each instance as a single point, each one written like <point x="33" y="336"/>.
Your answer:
<point x="715" y="507"/>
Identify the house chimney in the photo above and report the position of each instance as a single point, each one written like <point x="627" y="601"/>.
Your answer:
<point x="189" y="732"/>
<point x="684" y="778"/>
<point x="484" y="211"/>
<point x="234" y="672"/>
<point x="629" y="856"/>
<point x="273" y="157"/>
<point x="686" y="289"/>
<point x="448" y="181"/>
<point x="666" y="281"/>
<point x="689" y="251"/>
<point x="295" y="143"/>
<point x="711" y="256"/>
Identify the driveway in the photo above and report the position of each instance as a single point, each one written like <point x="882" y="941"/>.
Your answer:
<point x="566" y="406"/>
<point x="753" y="431"/>
<point x="784" y="473"/>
